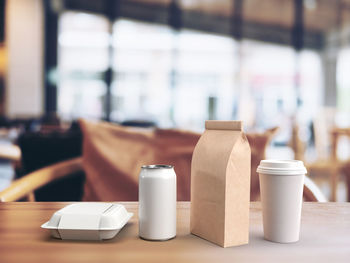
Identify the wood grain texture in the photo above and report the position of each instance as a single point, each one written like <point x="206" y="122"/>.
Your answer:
<point x="325" y="237"/>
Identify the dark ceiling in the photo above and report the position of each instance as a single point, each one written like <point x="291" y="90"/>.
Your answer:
<point x="265" y="20"/>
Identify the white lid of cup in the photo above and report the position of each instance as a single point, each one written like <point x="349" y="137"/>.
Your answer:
<point x="281" y="167"/>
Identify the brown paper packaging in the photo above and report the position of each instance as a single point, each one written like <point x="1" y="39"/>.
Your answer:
<point x="220" y="184"/>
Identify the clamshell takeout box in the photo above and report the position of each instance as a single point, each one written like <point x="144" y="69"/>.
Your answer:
<point x="88" y="221"/>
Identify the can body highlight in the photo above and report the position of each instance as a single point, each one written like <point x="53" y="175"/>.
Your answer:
<point x="157" y="202"/>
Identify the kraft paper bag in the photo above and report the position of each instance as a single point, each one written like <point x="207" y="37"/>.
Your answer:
<point x="220" y="184"/>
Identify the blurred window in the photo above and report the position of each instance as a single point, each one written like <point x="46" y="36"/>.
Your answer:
<point x="276" y="83"/>
<point x="141" y="65"/>
<point x="175" y="78"/>
<point x="82" y="60"/>
<point x="205" y="66"/>
<point x="182" y="78"/>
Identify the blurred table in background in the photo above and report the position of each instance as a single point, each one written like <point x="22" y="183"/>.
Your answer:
<point x="9" y="151"/>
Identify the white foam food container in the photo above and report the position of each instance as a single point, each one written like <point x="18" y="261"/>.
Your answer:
<point x="88" y="221"/>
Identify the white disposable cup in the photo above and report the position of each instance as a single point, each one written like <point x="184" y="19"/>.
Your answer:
<point x="281" y="190"/>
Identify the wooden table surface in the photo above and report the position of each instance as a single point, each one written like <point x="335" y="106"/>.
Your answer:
<point x="325" y="237"/>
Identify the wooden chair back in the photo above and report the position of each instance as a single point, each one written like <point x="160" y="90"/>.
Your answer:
<point x="25" y="186"/>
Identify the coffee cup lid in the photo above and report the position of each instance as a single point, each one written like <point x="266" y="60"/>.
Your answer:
<point x="281" y="167"/>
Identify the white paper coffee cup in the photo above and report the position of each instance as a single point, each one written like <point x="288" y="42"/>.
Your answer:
<point x="281" y="190"/>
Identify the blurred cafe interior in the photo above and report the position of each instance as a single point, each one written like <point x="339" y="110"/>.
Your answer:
<point x="280" y="66"/>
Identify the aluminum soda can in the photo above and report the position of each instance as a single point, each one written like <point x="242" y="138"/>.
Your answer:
<point x="157" y="202"/>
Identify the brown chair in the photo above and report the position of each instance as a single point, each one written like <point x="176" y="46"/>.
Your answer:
<point x="25" y="186"/>
<point x="341" y="166"/>
<point x="258" y="144"/>
<point x="312" y="192"/>
<point x="113" y="154"/>
<point x="331" y="165"/>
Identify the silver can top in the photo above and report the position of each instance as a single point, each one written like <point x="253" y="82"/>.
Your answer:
<point x="157" y="166"/>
